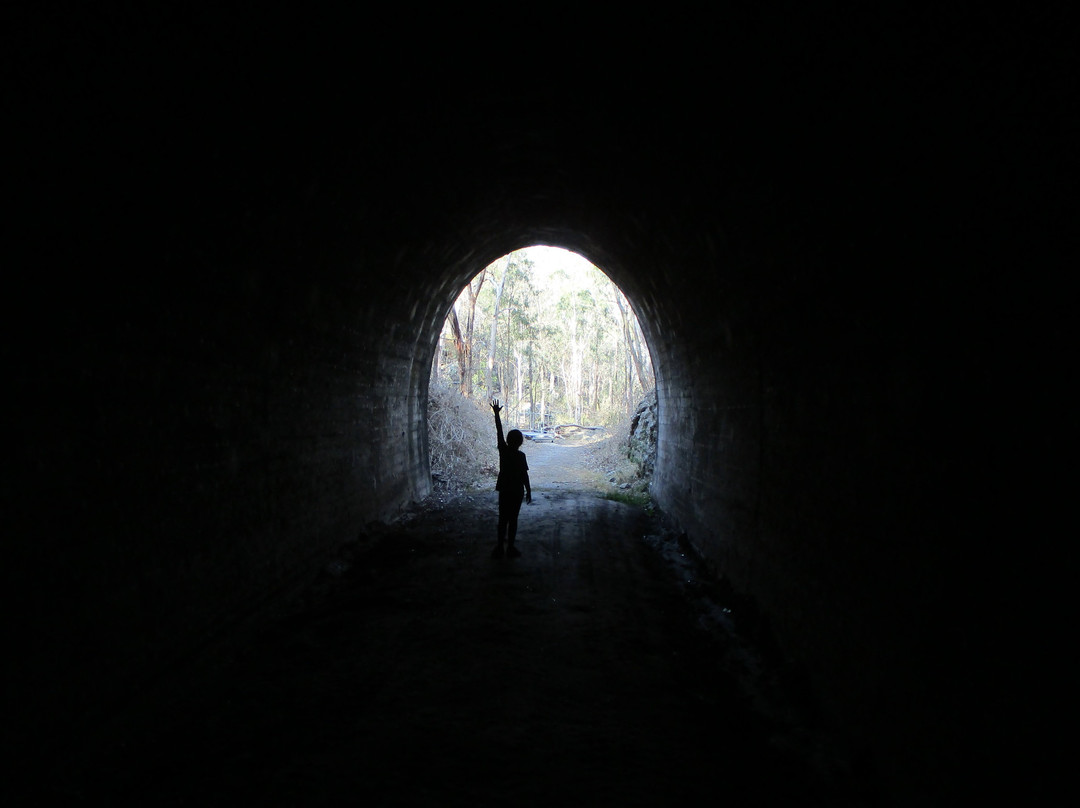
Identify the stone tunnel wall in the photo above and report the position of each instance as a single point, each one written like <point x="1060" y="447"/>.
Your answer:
<point x="233" y="381"/>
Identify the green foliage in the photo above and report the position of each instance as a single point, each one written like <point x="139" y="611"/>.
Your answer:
<point x="560" y="346"/>
<point x="638" y="498"/>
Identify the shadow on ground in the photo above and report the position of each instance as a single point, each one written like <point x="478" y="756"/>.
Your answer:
<point x="415" y="670"/>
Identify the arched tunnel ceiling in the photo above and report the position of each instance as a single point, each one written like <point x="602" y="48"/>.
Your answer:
<point x="259" y="232"/>
<point x="601" y="182"/>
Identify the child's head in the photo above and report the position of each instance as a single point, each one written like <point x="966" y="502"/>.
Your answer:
<point x="514" y="438"/>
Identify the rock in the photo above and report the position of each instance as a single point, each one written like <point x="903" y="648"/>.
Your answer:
<point x="643" y="431"/>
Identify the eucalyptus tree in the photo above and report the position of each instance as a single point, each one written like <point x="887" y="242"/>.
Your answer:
<point x="568" y="348"/>
<point x="463" y="339"/>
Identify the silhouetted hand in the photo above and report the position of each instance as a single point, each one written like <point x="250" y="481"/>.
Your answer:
<point x="495" y="405"/>
<point x="528" y="497"/>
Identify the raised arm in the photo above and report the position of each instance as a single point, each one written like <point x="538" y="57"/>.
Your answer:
<point x="495" y="406"/>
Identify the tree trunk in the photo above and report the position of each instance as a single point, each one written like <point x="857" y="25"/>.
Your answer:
<point x="495" y="328"/>
<point x="462" y="348"/>
<point x="648" y="381"/>
<point x="519" y="367"/>
<point x="463" y="341"/>
<point x="631" y="347"/>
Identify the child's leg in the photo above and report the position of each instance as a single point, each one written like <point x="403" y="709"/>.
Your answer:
<point x="513" y="509"/>
<point x="498" y="552"/>
<point x="504" y="523"/>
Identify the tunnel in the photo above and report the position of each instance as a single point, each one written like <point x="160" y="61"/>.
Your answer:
<point x="241" y="263"/>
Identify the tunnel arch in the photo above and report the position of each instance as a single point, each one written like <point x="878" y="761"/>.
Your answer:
<point x="664" y="283"/>
<point x="453" y="280"/>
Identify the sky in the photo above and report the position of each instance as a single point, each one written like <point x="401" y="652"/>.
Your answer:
<point x="548" y="260"/>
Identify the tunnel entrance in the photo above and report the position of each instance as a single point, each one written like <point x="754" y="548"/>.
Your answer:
<point x="545" y="331"/>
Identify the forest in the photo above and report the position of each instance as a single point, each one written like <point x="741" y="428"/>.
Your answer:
<point x="550" y="335"/>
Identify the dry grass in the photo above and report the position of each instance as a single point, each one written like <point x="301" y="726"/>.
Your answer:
<point x="461" y="438"/>
<point x="610" y="455"/>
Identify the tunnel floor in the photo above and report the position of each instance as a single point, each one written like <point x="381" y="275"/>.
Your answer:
<point x="417" y="670"/>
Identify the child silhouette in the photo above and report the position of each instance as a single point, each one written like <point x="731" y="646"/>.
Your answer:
<point x="513" y="482"/>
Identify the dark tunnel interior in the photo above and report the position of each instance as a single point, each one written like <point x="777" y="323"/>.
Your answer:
<point x="242" y="249"/>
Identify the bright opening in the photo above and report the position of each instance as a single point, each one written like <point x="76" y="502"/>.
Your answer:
<point x="548" y="334"/>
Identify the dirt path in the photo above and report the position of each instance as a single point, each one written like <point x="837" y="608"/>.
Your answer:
<point x="422" y="672"/>
<point x="560" y="467"/>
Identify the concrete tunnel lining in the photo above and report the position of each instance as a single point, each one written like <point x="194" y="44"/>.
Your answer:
<point x="735" y="409"/>
<point x="264" y="295"/>
<point x="318" y="390"/>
